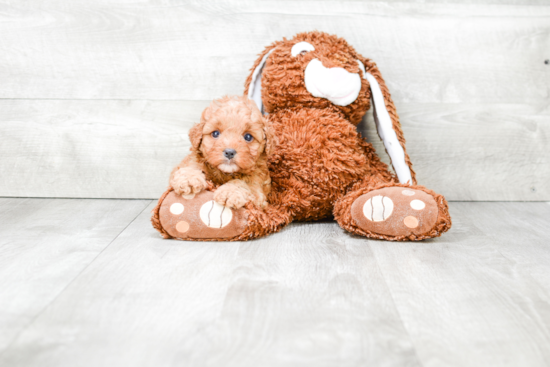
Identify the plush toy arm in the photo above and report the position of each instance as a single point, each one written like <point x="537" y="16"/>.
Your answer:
<point x="387" y="124"/>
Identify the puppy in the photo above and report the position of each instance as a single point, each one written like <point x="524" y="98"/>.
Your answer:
<point x="229" y="147"/>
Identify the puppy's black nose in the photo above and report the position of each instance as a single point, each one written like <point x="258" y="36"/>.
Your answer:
<point x="229" y="153"/>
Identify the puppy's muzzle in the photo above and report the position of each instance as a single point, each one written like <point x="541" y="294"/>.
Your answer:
<point x="335" y="84"/>
<point x="229" y="153"/>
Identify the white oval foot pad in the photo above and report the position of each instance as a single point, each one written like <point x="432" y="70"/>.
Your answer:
<point x="215" y="215"/>
<point x="378" y="208"/>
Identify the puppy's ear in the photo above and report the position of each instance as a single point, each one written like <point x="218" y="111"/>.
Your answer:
<point x="195" y="135"/>
<point x="256" y="117"/>
<point x="196" y="132"/>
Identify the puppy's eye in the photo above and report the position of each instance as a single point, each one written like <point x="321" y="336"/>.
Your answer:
<point x="248" y="137"/>
<point x="215" y="134"/>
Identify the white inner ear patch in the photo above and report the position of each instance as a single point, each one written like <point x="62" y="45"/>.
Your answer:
<point x="176" y="208"/>
<point x="301" y="46"/>
<point x="215" y="215"/>
<point x="384" y="126"/>
<point x="378" y="208"/>
<point x="418" y="204"/>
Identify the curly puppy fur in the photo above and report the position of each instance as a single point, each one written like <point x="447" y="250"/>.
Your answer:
<point x="225" y="126"/>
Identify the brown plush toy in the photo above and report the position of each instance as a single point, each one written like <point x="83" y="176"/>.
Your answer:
<point x="314" y="89"/>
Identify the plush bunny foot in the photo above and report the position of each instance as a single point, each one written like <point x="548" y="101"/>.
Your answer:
<point x="197" y="217"/>
<point x="397" y="213"/>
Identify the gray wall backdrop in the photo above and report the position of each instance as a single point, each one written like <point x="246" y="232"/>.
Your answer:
<point x="96" y="97"/>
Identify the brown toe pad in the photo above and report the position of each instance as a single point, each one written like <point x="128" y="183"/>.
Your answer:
<point x="200" y="217"/>
<point x="395" y="211"/>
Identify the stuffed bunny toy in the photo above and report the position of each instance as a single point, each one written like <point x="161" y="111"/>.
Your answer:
<point x="315" y="89"/>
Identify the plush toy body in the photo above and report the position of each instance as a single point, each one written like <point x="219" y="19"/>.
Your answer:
<point x="315" y="89"/>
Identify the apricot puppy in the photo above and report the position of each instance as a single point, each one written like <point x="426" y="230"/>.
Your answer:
<point x="229" y="146"/>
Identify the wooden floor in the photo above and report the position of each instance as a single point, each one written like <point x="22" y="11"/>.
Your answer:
<point x="90" y="283"/>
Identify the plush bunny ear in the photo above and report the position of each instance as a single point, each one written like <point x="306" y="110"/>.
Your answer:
<point x="195" y="135"/>
<point x="387" y="123"/>
<point x="254" y="82"/>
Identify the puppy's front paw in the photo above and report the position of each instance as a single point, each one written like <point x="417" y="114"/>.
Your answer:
<point x="232" y="196"/>
<point x="186" y="182"/>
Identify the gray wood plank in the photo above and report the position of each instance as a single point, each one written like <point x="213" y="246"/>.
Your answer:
<point x="310" y="295"/>
<point x="126" y="149"/>
<point x="44" y="245"/>
<point x="478" y="296"/>
<point x="442" y="52"/>
<point x="307" y="296"/>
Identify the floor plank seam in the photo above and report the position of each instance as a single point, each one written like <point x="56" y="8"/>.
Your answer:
<point x="8" y="345"/>
<point x="395" y="306"/>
